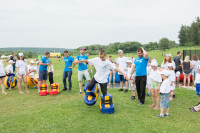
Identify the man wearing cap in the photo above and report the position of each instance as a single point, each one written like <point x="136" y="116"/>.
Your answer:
<point x="82" y="68"/>
<point x="140" y="64"/>
<point x="13" y="58"/>
<point x="121" y="64"/>
<point x="44" y="62"/>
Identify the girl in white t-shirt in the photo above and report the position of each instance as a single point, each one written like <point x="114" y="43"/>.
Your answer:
<point x="31" y="70"/>
<point x="22" y="73"/>
<point x="2" y="76"/>
<point x="172" y="79"/>
<point x="131" y="83"/>
<point x="156" y="80"/>
<point x="148" y="78"/>
<point x="166" y="61"/>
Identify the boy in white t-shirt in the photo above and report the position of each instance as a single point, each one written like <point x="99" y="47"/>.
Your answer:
<point x="164" y="94"/>
<point x="9" y="70"/>
<point x="31" y="70"/>
<point x="197" y="83"/>
<point x="156" y="80"/>
<point x="131" y="83"/>
<point x="103" y="67"/>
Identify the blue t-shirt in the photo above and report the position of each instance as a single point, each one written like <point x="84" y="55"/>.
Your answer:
<point x="68" y="63"/>
<point x="43" y="67"/>
<point x="141" y="66"/>
<point x="82" y="66"/>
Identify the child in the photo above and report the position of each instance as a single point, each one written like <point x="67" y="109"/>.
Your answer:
<point x="9" y="69"/>
<point x="102" y="66"/>
<point x="51" y="70"/>
<point x="197" y="81"/>
<point x="164" y="94"/>
<point x="148" y="78"/>
<point x="156" y="80"/>
<point x="131" y="80"/>
<point x="37" y="72"/>
<point x="31" y="70"/>
<point x="172" y="78"/>
<point x="2" y="76"/>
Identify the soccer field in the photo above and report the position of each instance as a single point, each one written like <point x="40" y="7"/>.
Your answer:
<point x="67" y="112"/>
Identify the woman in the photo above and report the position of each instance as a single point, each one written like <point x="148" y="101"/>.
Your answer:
<point x="195" y="59"/>
<point x="22" y="72"/>
<point x="167" y="60"/>
<point x="2" y="76"/>
<point x="187" y="68"/>
<point x="112" y="72"/>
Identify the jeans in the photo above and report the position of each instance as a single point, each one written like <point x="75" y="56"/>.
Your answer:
<point x="67" y="74"/>
<point x="141" y="87"/>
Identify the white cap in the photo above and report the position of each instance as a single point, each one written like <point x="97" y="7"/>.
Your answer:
<point x="11" y="61"/>
<point x="128" y="61"/>
<point x="198" y="66"/>
<point x="21" y="54"/>
<point x="37" y="62"/>
<point x="165" y="72"/>
<point x="154" y="63"/>
<point x="168" y="55"/>
<point x="170" y="65"/>
<point x="154" y="60"/>
<point x="32" y="61"/>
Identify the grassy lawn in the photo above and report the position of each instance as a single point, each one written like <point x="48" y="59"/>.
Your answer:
<point x="67" y="112"/>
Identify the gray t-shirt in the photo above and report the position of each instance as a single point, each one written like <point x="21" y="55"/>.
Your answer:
<point x="177" y="60"/>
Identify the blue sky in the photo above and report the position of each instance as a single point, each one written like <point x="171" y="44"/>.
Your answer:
<point x="74" y="23"/>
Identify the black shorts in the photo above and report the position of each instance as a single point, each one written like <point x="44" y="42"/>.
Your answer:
<point x="121" y="77"/>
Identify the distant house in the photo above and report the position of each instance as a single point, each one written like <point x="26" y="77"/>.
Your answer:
<point x="55" y="55"/>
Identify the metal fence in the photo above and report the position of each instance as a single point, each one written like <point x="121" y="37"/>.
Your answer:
<point x="191" y="53"/>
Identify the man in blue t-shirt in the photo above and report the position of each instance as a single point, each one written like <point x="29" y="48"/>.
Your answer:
<point x="44" y="62"/>
<point x="82" y="68"/>
<point x="67" y="70"/>
<point x="140" y="65"/>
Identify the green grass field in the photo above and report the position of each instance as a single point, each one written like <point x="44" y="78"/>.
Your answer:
<point x="67" y="112"/>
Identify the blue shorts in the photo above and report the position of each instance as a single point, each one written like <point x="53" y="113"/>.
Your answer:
<point x="198" y="89"/>
<point x="164" y="102"/>
<point x="42" y="75"/>
<point x="121" y="77"/>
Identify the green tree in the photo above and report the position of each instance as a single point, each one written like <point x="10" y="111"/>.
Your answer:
<point x="182" y="35"/>
<point x="164" y="44"/>
<point x="29" y="54"/>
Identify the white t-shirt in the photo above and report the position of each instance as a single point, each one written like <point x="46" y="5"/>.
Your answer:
<point x="149" y="69"/>
<point x="2" y="70"/>
<point x="30" y="68"/>
<point x="172" y="78"/>
<point x="22" y="67"/>
<point x="51" y="69"/>
<point x="165" y="86"/>
<point x="128" y="72"/>
<point x="195" y="63"/>
<point x="165" y="66"/>
<point x="197" y="78"/>
<point x="102" y="69"/>
<point x="9" y="69"/>
<point x="122" y="64"/>
<point x="155" y="76"/>
<point x="37" y="71"/>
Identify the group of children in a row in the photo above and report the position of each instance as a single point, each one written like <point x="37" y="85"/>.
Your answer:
<point x="22" y="71"/>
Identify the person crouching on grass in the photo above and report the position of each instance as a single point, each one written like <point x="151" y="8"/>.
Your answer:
<point x="50" y="71"/>
<point x="172" y="79"/>
<point x="103" y="67"/>
<point x="131" y="80"/>
<point x="197" y="81"/>
<point x="31" y="70"/>
<point x="156" y="80"/>
<point x="164" y="94"/>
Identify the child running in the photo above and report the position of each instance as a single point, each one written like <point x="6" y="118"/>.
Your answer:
<point x="31" y="70"/>
<point x="9" y="70"/>
<point x="2" y="76"/>
<point x="164" y="94"/>
<point x="155" y="84"/>
<point x="103" y="67"/>
<point x="131" y="80"/>
<point x="172" y="78"/>
<point x="197" y="82"/>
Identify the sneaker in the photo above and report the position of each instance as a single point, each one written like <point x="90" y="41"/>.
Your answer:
<point x="64" y="89"/>
<point x="140" y="103"/>
<point x="148" y="94"/>
<point x="161" y="116"/>
<point x="121" y="90"/>
<point x="132" y="98"/>
<point x="174" y="96"/>
<point x="166" y="115"/>
<point x="126" y="91"/>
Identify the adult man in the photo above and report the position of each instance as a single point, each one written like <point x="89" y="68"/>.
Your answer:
<point x="13" y="58"/>
<point x="121" y="63"/>
<point x="140" y="64"/>
<point x="67" y="70"/>
<point x="44" y="62"/>
<point x="82" y="68"/>
<point x="177" y="59"/>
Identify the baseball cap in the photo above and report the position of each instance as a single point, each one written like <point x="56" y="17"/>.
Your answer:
<point x="165" y="72"/>
<point x="170" y="65"/>
<point x="21" y="54"/>
<point x="11" y="61"/>
<point x="32" y="61"/>
<point x="154" y="63"/>
<point x="128" y="61"/>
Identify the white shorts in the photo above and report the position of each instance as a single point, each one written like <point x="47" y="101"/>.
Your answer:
<point x="131" y="86"/>
<point x="148" y="86"/>
<point x="22" y="73"/>
<point x="32" y="76"/>
<point x="85" y="73"/>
